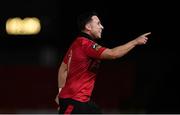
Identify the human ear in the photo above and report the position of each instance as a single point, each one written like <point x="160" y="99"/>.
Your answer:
<point x="88" y="26"/>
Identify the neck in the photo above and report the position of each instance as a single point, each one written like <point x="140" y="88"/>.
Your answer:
<point x="87" y="35"/>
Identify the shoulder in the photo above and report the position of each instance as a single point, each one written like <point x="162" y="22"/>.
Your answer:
<point x="84" y="41"/>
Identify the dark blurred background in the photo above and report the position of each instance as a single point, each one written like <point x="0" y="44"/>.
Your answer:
<point x="146" y="80"/>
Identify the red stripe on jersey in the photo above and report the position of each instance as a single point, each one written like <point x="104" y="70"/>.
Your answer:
<point x="69" y="109"/>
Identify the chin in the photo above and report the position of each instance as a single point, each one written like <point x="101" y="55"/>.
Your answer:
<point x="99" y="36"/>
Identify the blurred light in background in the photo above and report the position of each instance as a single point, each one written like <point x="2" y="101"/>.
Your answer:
<point x="26" y="26"/>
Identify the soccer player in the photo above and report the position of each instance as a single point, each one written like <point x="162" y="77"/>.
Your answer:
<point x="77" y="73"/>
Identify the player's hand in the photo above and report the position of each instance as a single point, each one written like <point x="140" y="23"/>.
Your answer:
<point x="57" y="101"/>
<point x="142" y="39"/>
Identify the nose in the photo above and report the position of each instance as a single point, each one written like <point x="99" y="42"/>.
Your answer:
<point x="101" y="26"/>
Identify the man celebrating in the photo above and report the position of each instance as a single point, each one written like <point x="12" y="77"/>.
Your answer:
<point x="77" y="73"/>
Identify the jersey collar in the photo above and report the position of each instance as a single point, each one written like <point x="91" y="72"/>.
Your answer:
<point x="82" y="34"/>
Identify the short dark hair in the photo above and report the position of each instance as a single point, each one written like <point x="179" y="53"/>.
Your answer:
<point x="84" y="18"/>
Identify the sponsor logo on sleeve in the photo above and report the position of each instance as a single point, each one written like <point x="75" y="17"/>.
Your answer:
<point x="96" y="46"/>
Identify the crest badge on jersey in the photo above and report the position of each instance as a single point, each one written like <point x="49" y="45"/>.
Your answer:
<point x="96" y="46"/>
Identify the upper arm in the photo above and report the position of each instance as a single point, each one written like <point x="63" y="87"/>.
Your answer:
<point x="63" y="68"/>
<point x="62" y="75"/>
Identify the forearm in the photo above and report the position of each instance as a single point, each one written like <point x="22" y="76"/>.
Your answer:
<point x="120" y="51"/>
<point x="62" y="74"/>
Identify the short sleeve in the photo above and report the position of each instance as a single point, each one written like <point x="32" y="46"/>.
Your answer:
<point x="66" y="57"/>
<point x="92" y="49"/>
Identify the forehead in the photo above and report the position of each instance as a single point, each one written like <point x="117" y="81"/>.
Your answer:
<point x="95" y="18"/>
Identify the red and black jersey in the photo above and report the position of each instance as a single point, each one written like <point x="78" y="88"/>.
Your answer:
<point x="82" y="59"/>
